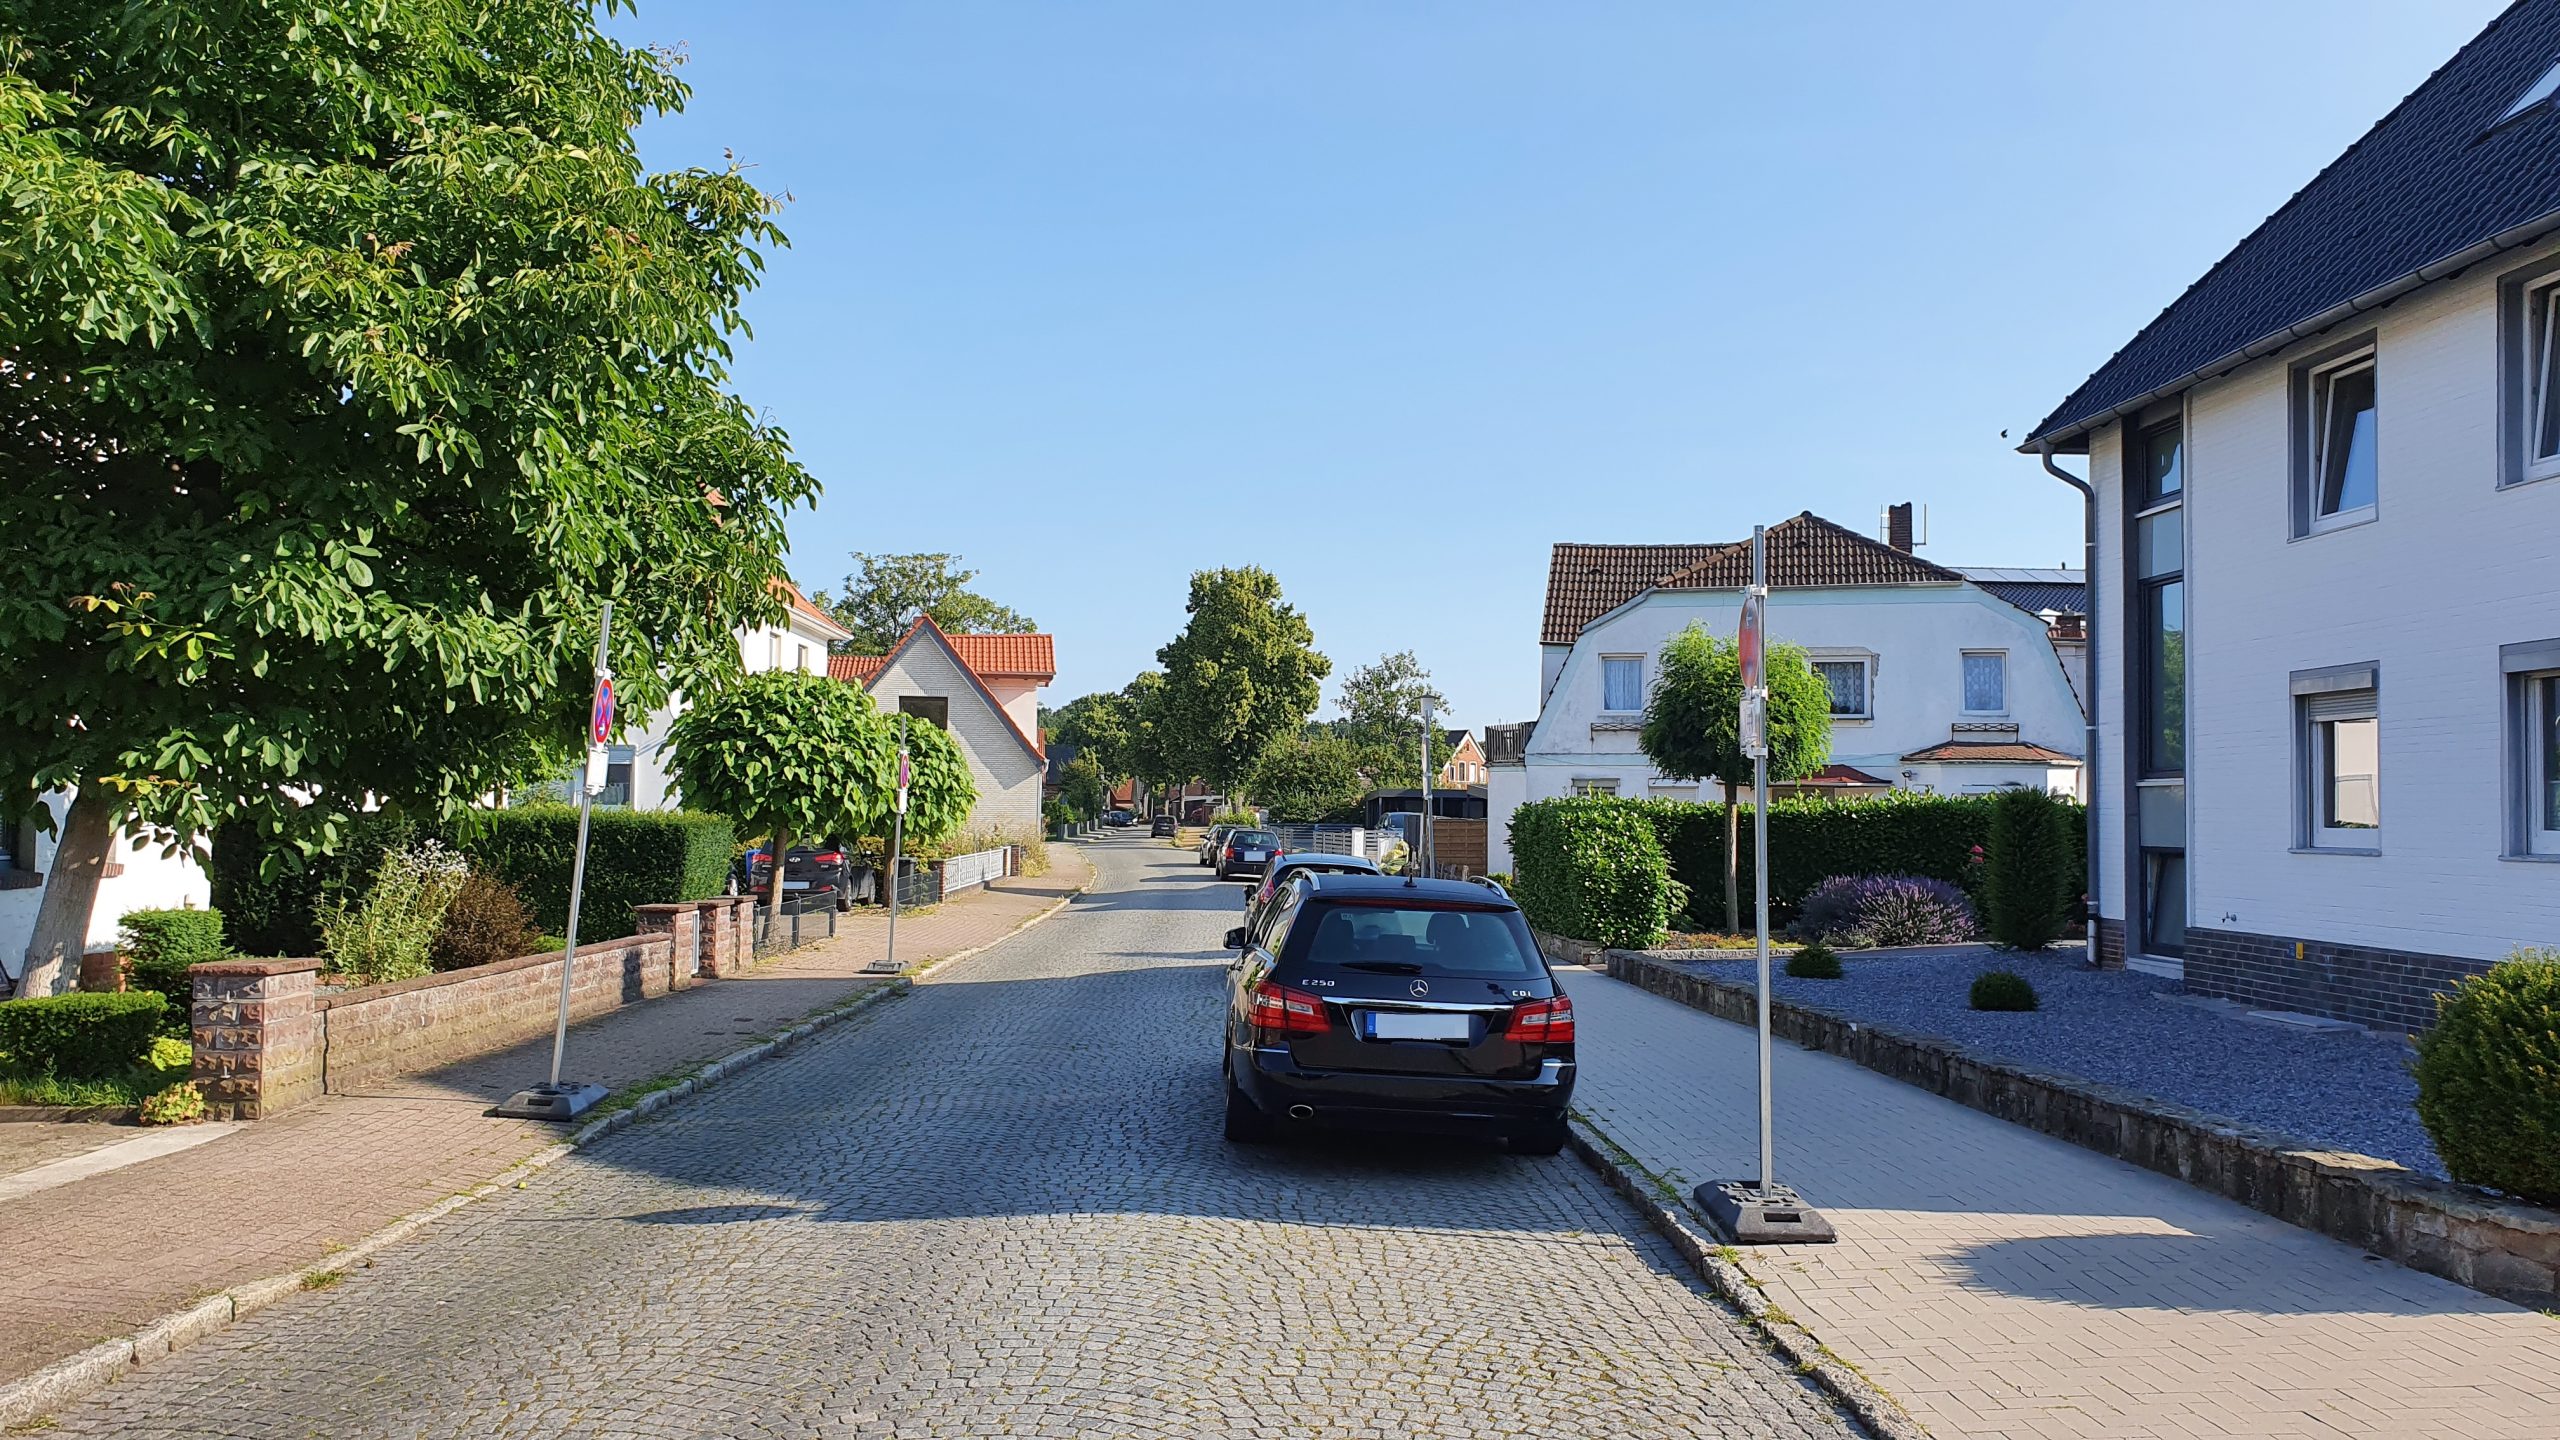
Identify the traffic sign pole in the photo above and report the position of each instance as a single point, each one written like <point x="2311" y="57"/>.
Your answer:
<point x="1762" y="1212"/>
<point x="897" y="842"/>
<point x="553" y="1100"/>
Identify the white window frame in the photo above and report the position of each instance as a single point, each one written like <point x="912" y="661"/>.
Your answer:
<point x="2315" y="714"/>
<point x="1605" y="662"/>
<point x="1593" y="785"/>
<point x="804" y="659"/>
<point x="1866" y="683"/>
<point x="1964" y="699"/>
<point x="773" y="650"/>
<point x="2541" y="359"/>
<point x="2323" y="381"/>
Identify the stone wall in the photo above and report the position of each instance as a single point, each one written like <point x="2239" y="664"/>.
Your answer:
<point x="257" y="1034"/>
<point x="2384" y="989"/>
<point x="2505" y="1249"/>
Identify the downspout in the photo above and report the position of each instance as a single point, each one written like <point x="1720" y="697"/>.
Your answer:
<point x="2089" y="669"/>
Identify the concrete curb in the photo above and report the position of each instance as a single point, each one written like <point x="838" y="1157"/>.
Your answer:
<point x="1875" y="1411"/>
<point x="35" y="1395"/>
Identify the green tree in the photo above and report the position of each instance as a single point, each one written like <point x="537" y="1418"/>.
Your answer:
<point x="1309" y="779"/>
<point x="1242" y="673"/>
<point x="1693" y="728"/>
<point x="351" y="358"/>
<point x="1382" y="713"/>
<point x="886" y="593"/>
<point x="793" y="756"/>
<point x="1098" y="726"/>
<point x="1082" y="788"/>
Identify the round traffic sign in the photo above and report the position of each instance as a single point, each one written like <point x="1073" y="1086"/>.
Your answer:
<point x="600" y="720"/>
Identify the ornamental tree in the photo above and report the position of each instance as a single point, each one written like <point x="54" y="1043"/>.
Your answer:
<point x="1693" y="728"/>
<point x="1243" y="673"/>
<point x="350" y="358"/>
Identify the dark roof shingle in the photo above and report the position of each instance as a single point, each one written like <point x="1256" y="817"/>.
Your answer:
<point x="2429" y="181"/>
<point x="1809" y="552"/>
<point x="1585" y="582"/>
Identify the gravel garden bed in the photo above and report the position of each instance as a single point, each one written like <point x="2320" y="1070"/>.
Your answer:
<point x="2346" y="1091"/>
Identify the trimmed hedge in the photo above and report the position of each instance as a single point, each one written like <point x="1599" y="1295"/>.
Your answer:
<point x="81" y="1036"/>
<point x="2489" y="1077"/>
<point x="280" y="914"/>
<point x="2032" y="871"/>
<point x="634" y="857"/>
<point x="1814" y="837"/>
<point x="1592" y="868"/>
<point x="161" y="944"/>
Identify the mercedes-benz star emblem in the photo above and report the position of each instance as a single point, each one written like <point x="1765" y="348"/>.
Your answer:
<point x="1421" y="988"/>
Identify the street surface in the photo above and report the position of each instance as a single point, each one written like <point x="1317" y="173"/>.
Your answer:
<point x="1001" y="1207"/>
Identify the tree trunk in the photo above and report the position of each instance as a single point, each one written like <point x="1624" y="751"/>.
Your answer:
<point x="1732" y="858"/>
<point x="70" y="893"/>
<point x="773" y="899"/>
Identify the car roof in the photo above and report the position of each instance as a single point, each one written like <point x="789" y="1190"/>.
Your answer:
<point x="1396" y="888"/>
<point x="1349" y="864"/>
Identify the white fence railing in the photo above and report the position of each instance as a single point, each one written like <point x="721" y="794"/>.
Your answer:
<point x="1322" y="839"/>
<point x="977" y="868"/>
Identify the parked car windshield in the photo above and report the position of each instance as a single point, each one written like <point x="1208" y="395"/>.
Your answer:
<point x="1262" y="838"/>
<point x="1401" y="940"/>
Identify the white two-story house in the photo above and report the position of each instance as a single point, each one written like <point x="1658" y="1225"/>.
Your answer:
<point x="2327" y="525"/>
<point x="1938" y="683"/>
<point x="637" y="771"/>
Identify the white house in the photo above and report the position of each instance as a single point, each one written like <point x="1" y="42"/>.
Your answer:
<point x="1937" y="683"/>
<point x="637" y="770"/>
<point x="985" y="691"/>
<point x="2327" y="528"/>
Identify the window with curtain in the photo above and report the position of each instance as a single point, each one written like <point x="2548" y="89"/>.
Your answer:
<point x="1848" y="682"/>
<point x="1986" y="682"/>
<point x="1622" y="683"/>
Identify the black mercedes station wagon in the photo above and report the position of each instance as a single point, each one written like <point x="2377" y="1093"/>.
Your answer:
<point x="1376" y="1003"/>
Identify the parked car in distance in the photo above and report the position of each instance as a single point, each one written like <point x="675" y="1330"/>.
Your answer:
<point x="804" y="867"/>
<point x="1212" y="842"/>
<point x="1246" y="852"/>
<point x="1362" y="1002"/>
<point x="1118" y="818"/>
<point x="1275" y="875"/>
<point x="1163" y="827"/>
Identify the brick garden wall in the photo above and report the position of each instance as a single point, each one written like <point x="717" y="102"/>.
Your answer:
<point x="2385" y="989"/>
<point x="381" y="1031"/>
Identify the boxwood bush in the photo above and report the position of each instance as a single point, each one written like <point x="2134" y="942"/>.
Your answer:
<point x="80" y="1036"/>
<point x="2002" y="990"/>
<point x="634" y="857"/>
<point x="1592" y="868"/>
<point x="2489" y="1078"/>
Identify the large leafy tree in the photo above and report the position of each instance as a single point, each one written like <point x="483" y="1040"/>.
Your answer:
<point x="793" y="756"/>
<point x="1099" y="727"/>
<point x="1309" y="778"/>
<point x="1693" y="728"/>
<point x="350" y="358"/>
<point x="1382" y="714"/>
<point x="1242" y="673"/>
<point x="885" y="594"/>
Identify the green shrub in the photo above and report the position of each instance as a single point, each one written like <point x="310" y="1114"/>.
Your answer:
<point x="82" y="1035"/>
<point x="180" y="1104"/>
<point x="161" y="944"/>
<point x="1591" y="868"/>
<point x="1814" y="837"/>
<point x="1814" y="961"/>
<point x="2002" y="990"/>
<point x="486" y="923"/>
<point x="271" y="896"/>
<point x="2489" y="1077"/>
<point x="2031" y="869"/>
<point x="634" y="857"/>
<point x="388" y="934"/>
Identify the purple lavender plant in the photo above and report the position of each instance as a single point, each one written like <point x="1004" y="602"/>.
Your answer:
<point x="1868" y="911"/>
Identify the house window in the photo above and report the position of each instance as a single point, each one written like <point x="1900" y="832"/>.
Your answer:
<point x="773" y="652"/>
<point x="2533" y="728"/>
<point x="1622" y="683"/>
<point x="2337" y="420"/>
<point x="1848" y="682"/>
<point x="1986" y="682"/>
<point x="2529" y="374"/>
<point x="933" y="708"/>
<point x="804" y="659"/>
<point x="1586" y="785"/>
<point x="2339" y="735"/>
<point x="2156" y="703"/>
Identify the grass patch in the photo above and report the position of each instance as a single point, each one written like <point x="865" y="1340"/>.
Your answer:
<point x="322" y="1279"/>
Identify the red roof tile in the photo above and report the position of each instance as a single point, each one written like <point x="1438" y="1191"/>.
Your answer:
<point x="1841" y="775"/>
<point x="1012" y="656"/>
<point x="856" y="668"/>
<point x="1985" y="752"/>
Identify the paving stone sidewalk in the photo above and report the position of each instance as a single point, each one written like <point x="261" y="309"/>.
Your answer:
<point x="97" y="1258"/>
<point x="2003" y="1284"/>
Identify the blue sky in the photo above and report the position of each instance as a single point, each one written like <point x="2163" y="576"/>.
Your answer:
<point x="1388" y="297"/>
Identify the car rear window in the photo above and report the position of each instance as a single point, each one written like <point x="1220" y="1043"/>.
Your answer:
<point x="1252" y="837"/>
<point x="1416" y="940"/>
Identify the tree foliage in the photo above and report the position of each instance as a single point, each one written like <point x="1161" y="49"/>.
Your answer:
<point x="351" y="358"/>
<point x="1243" y="672"/>
<point x="1382" y="714"/>
<point x="1099" y="726"/>
<point x="885" y="593"/>
<point x="1693" y="726"/>
<point x="1082" y="788"/>
<point x="1309" y="779"/>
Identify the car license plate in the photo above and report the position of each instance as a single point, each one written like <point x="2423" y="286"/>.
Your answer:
<point x="1416" y="1025"/>
<point x="1253" y="854"/>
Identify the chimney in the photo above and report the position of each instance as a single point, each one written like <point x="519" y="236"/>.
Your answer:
<point x="1897" y="527"/>
<point x="2068" y="628"/>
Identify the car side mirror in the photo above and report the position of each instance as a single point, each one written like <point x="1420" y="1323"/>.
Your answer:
<point x="1249" y="889"/>
<point x="1235" y="938"/>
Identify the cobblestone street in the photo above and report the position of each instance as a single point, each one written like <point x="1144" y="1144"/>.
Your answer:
<point x="1001" y="1207"/>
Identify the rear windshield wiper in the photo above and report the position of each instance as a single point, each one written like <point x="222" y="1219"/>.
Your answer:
<point x="1383" y="967"/>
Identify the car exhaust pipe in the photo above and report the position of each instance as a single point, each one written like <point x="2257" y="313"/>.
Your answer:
<point x="1302" y="1112"/>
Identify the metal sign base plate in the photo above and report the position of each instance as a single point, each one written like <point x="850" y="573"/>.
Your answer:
<point x="1748" y="1217"/>
<point x="565" y="1101"/>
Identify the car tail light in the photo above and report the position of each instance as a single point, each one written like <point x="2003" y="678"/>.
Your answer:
<point x="832" y="857"/>
<point x="1543" y="1022"/>
<point x="1279" y="1010"/>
